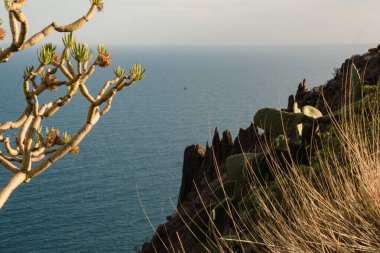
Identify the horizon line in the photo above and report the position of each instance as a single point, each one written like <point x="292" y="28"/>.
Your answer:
<point x="225" y="45"/>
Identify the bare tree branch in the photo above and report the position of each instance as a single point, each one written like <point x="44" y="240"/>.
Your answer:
<point x="18" y="179"/>
<point x="13" y="27"/>
<point x="8" y="165"/>
<point x="21" y="43"/>
<point x="35" y="152"/>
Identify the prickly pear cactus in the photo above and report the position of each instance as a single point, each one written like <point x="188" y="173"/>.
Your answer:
<point x="240" y="166"/>
<point x="309" y="130"/>
<point x="277" y="122"/>
<point x="296" y="109"/>
<point x="312" y="112"/>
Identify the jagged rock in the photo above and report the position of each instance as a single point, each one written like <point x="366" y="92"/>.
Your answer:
<point x="246" y="139"/>
<point x="216" y="147"/>
<point x="199" y="165"/>
<point x="302" y="90"/>
<point x="291" y="102"/>
<point x="226" y="145"/>
<point x="192" y="160"/>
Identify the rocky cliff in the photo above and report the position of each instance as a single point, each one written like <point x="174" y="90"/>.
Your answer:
<point x="204" y="168"/>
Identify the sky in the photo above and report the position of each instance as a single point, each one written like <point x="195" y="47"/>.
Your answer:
<point x="215" y="22"/>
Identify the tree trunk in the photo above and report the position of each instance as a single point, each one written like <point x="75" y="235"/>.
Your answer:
<point x="17" y="179"/>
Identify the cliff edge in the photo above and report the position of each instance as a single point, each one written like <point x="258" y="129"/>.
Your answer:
<point x="204" y="168"/>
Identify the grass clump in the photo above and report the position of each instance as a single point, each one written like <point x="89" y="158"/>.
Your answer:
<point x="331" y="203"/>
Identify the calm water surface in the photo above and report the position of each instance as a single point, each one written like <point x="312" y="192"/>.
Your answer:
<point x="132" y="160"/>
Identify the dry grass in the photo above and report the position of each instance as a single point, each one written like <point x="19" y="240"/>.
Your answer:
<point x="331" y="206"/>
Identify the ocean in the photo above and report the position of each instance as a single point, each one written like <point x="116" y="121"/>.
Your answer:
<point x="129" y="167"/>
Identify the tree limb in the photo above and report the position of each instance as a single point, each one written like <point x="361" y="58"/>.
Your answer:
<point x="16" y="180"/>
<point x="92" y="118"/>
<point x="13" y="48"/>
<point x="8" y="165"/>
<point x="13" y="125"/>
<point x="13" y="27"/>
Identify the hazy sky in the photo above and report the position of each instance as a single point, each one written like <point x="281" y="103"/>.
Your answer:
<point x="199" y="22"/>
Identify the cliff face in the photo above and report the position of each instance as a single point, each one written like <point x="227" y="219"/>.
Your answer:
<point x="199" y="164"/>
<point x="203" y="168"/>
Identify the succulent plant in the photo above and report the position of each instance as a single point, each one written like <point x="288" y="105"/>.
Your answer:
<point x="312" y="112"/>
<point x="28" y="71"/>
<point x="36" y="152"/>
<point x="137" y="72"/>
<point x="239" y="167"/>
<point x="68" y="40"/>
<point x="119" y="71"/>
<point x="81" y="52"/>
<point x="104" y="58"/>
<point x="296" y="109"/>
<point x="46" y="54"/>
<point x="102" y="49"/>
<point x="276" y="122"/>
<point x="66" y="137"/>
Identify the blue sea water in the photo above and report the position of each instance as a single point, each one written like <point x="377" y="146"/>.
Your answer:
<point x="131" y="162"/>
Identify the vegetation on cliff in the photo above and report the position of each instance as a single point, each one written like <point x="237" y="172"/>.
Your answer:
<point x="310" y="183"/>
